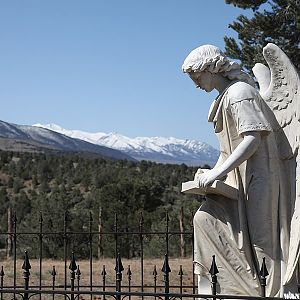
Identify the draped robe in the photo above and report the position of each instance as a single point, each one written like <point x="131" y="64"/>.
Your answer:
<point x="241" y="232"/>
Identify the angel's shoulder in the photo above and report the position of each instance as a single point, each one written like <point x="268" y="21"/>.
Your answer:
<point x="241" y="91"/>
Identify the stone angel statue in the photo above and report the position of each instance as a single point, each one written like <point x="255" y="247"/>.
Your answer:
<point x="258" y="132"/>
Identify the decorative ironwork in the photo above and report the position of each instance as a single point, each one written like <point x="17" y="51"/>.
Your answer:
<point x="73" y="287"/>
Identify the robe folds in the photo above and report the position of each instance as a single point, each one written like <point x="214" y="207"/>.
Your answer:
<point x="241" y="232"/>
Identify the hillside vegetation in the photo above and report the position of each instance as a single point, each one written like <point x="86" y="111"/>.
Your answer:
<point x="35" y="184"/>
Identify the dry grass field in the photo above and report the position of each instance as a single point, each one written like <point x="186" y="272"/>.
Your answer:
<point x="97" y="279"/>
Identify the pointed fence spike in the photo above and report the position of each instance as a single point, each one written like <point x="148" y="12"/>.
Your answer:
<point x="154" y="273"/>
<point x="15" y="218"/>
<point x="180" y="273"/>
<point x="264" y="271"/>
<point x="141" y="220"/>
<point x="65" y="216"/>
<point x="263" y="277"/>
<point x="2" y="272"/>
<point x="213" y="268"/>
<point x="78" y="272"/>
<point x="119" y="266"/>
<point x="53" y="273"/>
<point x="166" y="268"/>
<point x="73" y="265"/>
<point x="41" y="217"/>
<point x="103" y="273"/>
<point x="167" y="217"/>
<point x="129" y="273"/>
<point x="26" y="264"/>
<point x="213" y="272"/>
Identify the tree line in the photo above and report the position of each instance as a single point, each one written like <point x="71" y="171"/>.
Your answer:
<point x="34" y="184"/>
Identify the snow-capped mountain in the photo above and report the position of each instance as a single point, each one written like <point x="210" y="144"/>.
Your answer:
<point x="159" y="149"/>
<point x="15" y="137"/>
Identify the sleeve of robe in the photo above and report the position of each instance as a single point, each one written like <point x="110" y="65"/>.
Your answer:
<point x="245" y="107"/>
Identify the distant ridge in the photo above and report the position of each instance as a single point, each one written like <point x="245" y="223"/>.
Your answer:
<point x="25" y="138"/>
<point x="158" y="149"/>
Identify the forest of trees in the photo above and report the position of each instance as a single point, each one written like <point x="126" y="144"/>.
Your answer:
<point x="31" y="184"/>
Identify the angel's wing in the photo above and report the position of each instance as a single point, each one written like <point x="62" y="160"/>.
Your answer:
<point x="283" y="92"/>
<point x="280" y="88"/>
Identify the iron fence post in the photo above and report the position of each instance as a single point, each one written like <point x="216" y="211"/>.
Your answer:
<point x="193" y="253"/>
<point x="103" y="273"/>
<point x="26" y="267"/>
<point x="53" y="273"/>
<point x="73" y="268"/>
<point x="15" y="249"/>
<point x="167" y="233"/>
<point x="65" y="248"/>
<point x="213" y="272"/>
<point x="41" y="251"/>
<point x="129" y="273"/>
<point x="91" y="251"/>
<point x="116" y="234"/>
<point x="119" y="268"/>
<point x="141" y="229"/>
<point x="1" y="281"/>
<point x="180" y="273"/>
<point x="155" y="279"/>
<point x="78" y="276"/>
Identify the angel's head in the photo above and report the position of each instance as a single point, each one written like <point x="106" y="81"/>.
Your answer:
<point x="208" y="61"/>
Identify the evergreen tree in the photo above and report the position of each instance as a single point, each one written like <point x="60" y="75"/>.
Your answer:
<point x="279" y="23"/>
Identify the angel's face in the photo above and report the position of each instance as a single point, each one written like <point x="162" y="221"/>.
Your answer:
<point x="203" y="80"/>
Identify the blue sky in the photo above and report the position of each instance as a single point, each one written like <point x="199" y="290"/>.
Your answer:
<point x="108" y="65"/>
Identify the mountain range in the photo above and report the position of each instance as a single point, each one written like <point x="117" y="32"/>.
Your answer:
<point x="24" y="138"/>
<point x="51" y="137"/>
<point x="158" y="149"/>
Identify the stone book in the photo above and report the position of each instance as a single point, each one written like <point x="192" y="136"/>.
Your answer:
<point x="218" y="187"/>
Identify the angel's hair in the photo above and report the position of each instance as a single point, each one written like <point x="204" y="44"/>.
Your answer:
<point x="210" y="58"/>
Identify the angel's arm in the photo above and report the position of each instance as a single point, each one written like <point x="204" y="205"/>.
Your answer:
<point x="248" y="146"/>
<point x="220" y="161"/>
<point x="201" y="170"/>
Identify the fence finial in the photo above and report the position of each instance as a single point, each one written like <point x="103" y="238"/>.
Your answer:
<point x="180" y="273"/>
<point x="103" y="273"/>
<point x="213" y="268"/>
<point x="53" y="273"/>
<point x="26" y="267"/>
<point x="41" y="217"/>
<point x="119" y="266"/>
<point x="263" y="277"/>
<point x="166" y="268"/>
<point x="2" y="272"/>
<point x="26" y="264"/>
<point x="129" y="273"/>
<point x="213" y="272"/>
<point x="73" y="265"/>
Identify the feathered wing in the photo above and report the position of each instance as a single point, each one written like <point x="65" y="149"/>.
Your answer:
<point x="283" y="96"/>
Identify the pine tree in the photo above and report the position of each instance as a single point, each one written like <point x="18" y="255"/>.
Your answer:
<point x="279" y="23"/>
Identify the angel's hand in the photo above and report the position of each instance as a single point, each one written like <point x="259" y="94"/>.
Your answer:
<point x="207" y="178"/>
<point x="198" y="173"/>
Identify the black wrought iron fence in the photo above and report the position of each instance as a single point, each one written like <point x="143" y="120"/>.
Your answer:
<point x="101" y="279"/>
<point x="99" y="276"/>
